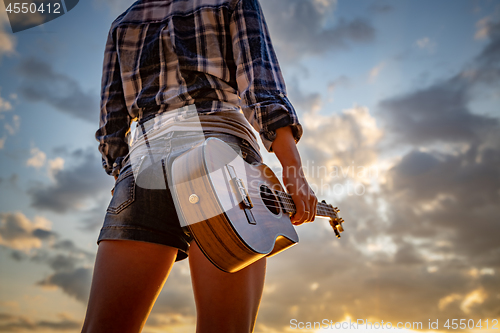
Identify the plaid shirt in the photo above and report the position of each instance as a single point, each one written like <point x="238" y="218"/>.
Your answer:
<point x="162" y="55"/>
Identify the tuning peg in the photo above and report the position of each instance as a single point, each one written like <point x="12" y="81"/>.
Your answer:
<point x="336" y="210"/>
<point x="323" y="201"/>
<point x="337" y="228"/>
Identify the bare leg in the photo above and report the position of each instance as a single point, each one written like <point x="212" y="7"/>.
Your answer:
<point x="128" y="276"/>
<point x="225" y="302"/>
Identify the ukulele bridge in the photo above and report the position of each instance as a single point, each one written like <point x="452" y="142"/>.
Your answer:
<point x="241" y="193"/>
<point x="239" y="187"/>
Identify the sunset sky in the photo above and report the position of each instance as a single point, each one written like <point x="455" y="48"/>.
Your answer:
<point x="399" y="101"/>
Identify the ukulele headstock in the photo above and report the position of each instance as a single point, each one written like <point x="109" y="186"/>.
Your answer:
<point x="335" y="220"/>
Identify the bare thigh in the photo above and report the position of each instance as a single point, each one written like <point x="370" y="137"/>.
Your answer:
<point x="128" y="276"/>
<point x="225" y="302"/>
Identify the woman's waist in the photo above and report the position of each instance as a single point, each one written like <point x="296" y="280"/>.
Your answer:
<point x="229" y="121"/>
<point x="176" y="142"/>
<point x="202" y="107"/>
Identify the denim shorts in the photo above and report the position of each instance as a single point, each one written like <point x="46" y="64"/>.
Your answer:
<point x="149" y="215"/>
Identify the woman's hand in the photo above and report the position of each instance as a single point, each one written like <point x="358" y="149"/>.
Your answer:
<point x="293" y="176"/>
<point x="302" y="195"/>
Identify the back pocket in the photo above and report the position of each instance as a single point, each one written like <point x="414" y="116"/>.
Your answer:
<point x="124" y="193"/>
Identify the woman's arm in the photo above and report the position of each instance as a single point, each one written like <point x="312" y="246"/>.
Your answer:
<point x="261" y="86"/>
<point x="114" y="118"/>
<point x="305" y="200"/>
<point x="264" y="101"/>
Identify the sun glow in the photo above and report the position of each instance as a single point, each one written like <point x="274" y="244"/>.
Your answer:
<point x="349" y="324"/>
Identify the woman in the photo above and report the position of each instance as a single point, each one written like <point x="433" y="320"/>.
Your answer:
<point x="162" y="56"/>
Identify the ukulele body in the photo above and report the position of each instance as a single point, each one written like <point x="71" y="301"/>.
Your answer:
<point x="229" y="206"/>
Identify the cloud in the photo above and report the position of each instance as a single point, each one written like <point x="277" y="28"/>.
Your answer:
<point x="436" y="113"/>
<point x="338" y="148"/>
<point x="12" y="180"/>
<point x="441" y="112"/>
<point x="482" y="26"/>
<point x="70" y="266"/>
<point x="10" y="128"/>
<point x="62" y="256"/>
<point x="7" y="39"/>
<point x="74" y="187"/>
<point x="425" y="43"/>
<point x="74" y="282"/>
<point x="302" y="102"/>
<point x="437" y="188"/>
<point x="380" y="8"/>
<point x="342" y="280"/>
<point x="5" y="105"/>
<point x="68" y="246"/>
<point x="486" y="67"/>
<point x="452" y="165"/>
<point x="375" y="71"/>
<point x="71" y="269"/>
<point x="413" y="242"/>
<point x="19" y="233"/>
<point x="93" y="217"/>
<point x="41" y="83"/>
<point x="442" y="195"/>
<point x="340" y="139"/>
<point x="475" y="297"/>
<point x="341" y="81"/>
<point x="37" y="159"/>
<point x="15" y="323"/>
<point x="55" y="165"/>
<point x="14" y="127"/>
<point x="432" y="218"/>
<point x="298" y="28"/>
<point x="445" y="301"/>
<point x="466" y="302"/>
<point x="171" y="322"/>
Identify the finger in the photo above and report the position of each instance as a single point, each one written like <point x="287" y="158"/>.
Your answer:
<point x="299" y="213"/>
<point x="314" y="205"/>
<point x="310" y="215"/>
<point x="299" y="218"/>
<point x="310" y="208"/>
<point x="305" y="214"/>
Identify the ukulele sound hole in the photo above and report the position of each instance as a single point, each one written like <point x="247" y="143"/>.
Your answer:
<point x="269" y="199"/>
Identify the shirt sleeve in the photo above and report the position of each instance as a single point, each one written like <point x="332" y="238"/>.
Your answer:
<point x="261" y="86"/>
<point x="114" y="118"/>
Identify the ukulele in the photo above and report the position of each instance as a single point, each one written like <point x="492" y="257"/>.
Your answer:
<point x="236" y="212"/>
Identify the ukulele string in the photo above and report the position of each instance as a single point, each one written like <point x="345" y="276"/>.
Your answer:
<point x="262" y="209"/>
<point x="286" y="201"/>
<point x="289" y="205"/>
<point x="284" y="198"/>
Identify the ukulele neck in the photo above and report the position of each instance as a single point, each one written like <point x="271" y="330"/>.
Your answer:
<point x="287" y="204"/>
